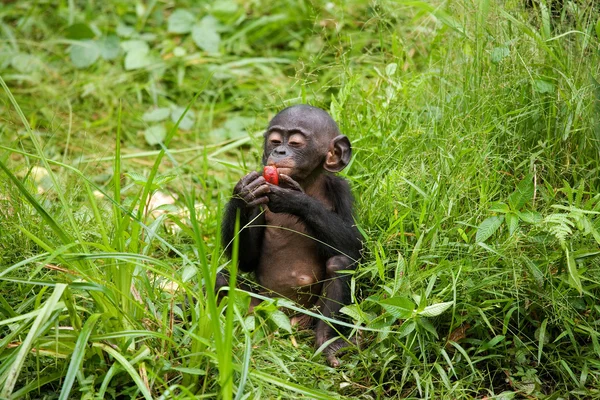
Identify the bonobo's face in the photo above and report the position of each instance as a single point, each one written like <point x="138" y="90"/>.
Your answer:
<point x="297" y="141"/>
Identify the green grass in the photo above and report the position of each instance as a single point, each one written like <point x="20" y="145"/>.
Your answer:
<point x="476" y="134"/>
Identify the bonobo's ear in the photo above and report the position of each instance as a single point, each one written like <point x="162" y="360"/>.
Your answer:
<point x="338" y="154"/>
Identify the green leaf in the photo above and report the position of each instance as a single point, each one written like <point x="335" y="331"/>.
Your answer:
<point x="523" y="194"/>
<point x="542" y="339"/>
<point x="488" y="227"/>
<point x="79" y="32"/>
<point x="125" y="31"/>
<point x="281" y="320"/>
<point x="499" y="53"/>
<point x="531" y="217"/>
<point x="428" y="326"/>
<point x="78" y="355"/>
<point x="406" y="328"/>
<point x="157" y="114"/>
<point x="399" y="307"/>
<point x="224" y="8"/>
<point x="137" y="59"/>
<point x="499" y="207"/>
<point x="188" y="120"/>
<point x="512" y="221"/>
<point x="206" y="36"/>
<point x="390" y="69"/>
<point x="353" y="311"/>
<point x="155" y="134"/>
<point x="25" y="63"/>
<point x="574" y="278"/>
<point x="181" y="21"/>
<point x="491" y="344"/>
<point x="131" y="45"/>
<point x="543" y="86"/>
<point x="137" y="178"/>
<point x="109" y="47"/>
<point x="84" y="53"/>
<point x="598" y="28"/>
<point x="436" y="309"/>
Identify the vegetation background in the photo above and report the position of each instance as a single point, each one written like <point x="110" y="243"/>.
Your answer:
<point x="475" y="125"/>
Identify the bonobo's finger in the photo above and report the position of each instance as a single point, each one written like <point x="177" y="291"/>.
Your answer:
<point x="289" y="183"/>
<point x="258" y="201"/>
<point x="258" y="181"/>
<point x="245" y="181"/>
<point x="252" y="194"/>
<point x="261" y="190"/>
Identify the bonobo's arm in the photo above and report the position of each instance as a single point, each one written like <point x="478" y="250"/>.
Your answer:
<point x="248" y="195"/>
<point x="336" y="229"/>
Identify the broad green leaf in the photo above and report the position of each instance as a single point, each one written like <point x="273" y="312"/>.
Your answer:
<point x="406" y="328"/>
<point x="25" y="63"/>
<point x="390" y="69"/>
<point x="132" y="45"/>
<point x="436" y="309"/>
<point x="157" y="114"/>
<point x="523" y="194"/>
<point x="155" y="134"/>
<point x="353" y="311"/>
<point x="181" y="21"/>
<point x="543" y="86"/>
<point x="125" y="31"/>
<point x="531" y="217"/>
<point x="224" y="8"/>
<point x="512" y="221"/>
<point x="109" y="47"/>
<point x="206" y="36"/>
<point x="137" y="59"/>
<point x="137" y="178"/>
<point x="79" y="32"/>
<point x="499" y="207"/>
<point x="188" y="120"/>
<point x="84" y="53"/>
<point x="598" y="28"/>
<point x="281" y="320"/>
<point x="499" y="53"/>
<point x="399" y="307"/>
<point x="488" y="227"/>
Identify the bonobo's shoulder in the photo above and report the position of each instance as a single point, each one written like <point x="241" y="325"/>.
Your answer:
<point x="335" y="184"/>
<point x="338" y="192"/>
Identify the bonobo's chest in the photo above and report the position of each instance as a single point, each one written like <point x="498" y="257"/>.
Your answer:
<point x="290" y="263"/>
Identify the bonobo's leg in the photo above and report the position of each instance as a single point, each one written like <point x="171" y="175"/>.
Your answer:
<point x="334" y="296"/>
<point x="223" y="281"/>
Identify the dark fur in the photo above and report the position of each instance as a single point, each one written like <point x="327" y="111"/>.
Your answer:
<point x="318" y="203"/>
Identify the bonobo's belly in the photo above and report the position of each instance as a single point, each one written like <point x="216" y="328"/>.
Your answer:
<point x="290" y="264"/>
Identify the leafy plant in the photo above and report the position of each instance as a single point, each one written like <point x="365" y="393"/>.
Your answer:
<point x="512" y="213"/>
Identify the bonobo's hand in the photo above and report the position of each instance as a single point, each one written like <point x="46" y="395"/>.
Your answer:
<point x="251" y="190"/>
<point x="283" y="197"/>
<point x="286" y="181"/>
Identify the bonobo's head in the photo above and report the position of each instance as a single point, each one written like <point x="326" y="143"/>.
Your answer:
<point x="302" y="141"/>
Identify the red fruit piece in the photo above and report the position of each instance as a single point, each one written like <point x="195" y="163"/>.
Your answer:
<point x="270" y="174"/>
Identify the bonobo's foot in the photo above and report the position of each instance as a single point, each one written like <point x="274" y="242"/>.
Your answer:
<point x="331" y="351"/>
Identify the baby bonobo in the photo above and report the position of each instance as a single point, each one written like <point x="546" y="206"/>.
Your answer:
<point x="306" y="233"/>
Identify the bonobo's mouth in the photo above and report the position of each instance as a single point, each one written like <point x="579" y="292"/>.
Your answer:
<point x="284" y="170"/>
